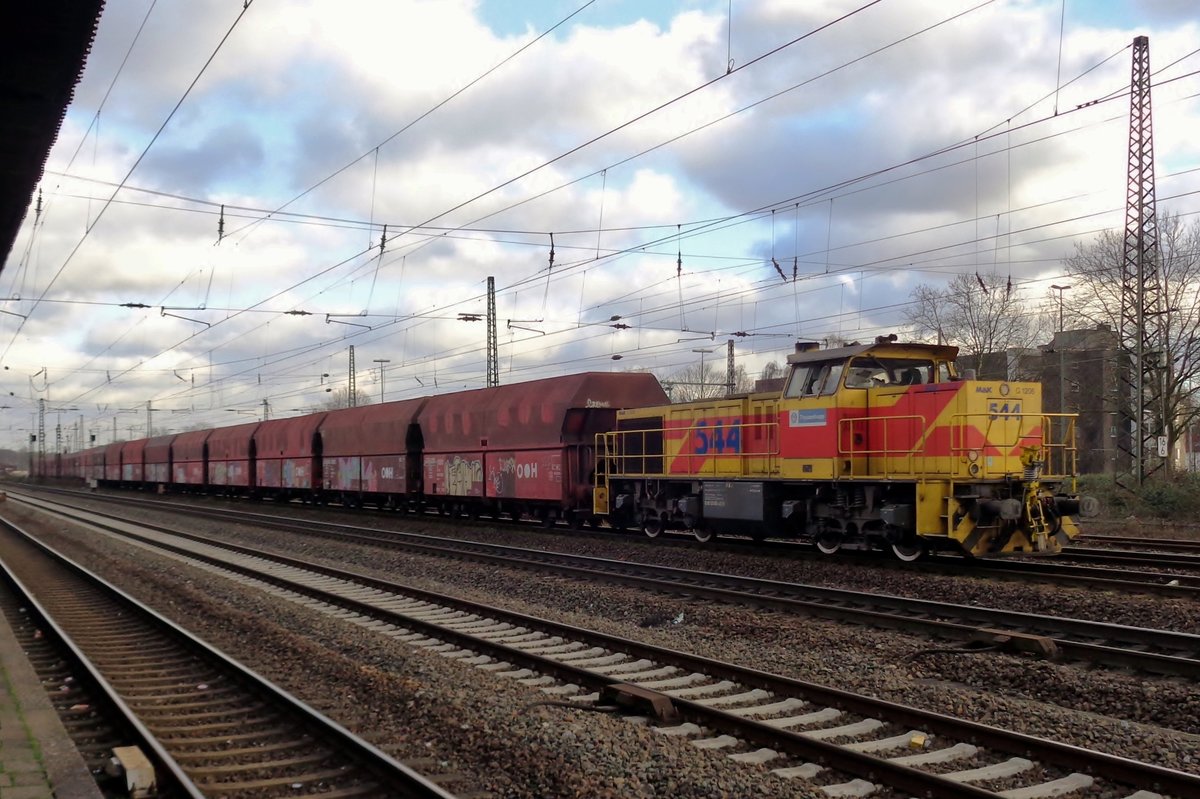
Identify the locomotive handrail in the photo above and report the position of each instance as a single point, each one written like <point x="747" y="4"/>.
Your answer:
<point x="1060" y="457"/>
<point x="615" y="455"/>
<point x="910" y="453"/>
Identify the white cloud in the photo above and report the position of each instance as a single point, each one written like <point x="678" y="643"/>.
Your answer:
<point x="302" y="88"/>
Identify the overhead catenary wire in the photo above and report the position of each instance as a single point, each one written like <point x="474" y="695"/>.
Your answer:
<point x="95" y="121"/>
<point x="70" y="256"/>
<point x="548" y="275"/>
<point x="435" y="356"/>
<point x="427" y="112"/>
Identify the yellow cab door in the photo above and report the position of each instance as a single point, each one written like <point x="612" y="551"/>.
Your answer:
<point x="853" y="403"/>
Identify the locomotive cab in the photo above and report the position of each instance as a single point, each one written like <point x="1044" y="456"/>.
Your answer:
<point x="869" y="446"/>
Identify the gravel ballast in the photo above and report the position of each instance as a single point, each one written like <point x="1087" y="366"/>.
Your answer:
<point x="1133" y="716"/>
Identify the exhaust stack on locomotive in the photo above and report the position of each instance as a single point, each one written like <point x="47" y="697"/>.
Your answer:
<point x="868" y="446"/>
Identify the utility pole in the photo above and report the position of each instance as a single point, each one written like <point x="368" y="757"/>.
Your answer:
<point x="702" y="354"/>
<point x="1062" y="365"/>
<point x="381" y="362"/>
<point x="149" y="410"/>
<point x="730" y="377"/>
<point x="352" y="398"/>
<point x="266" y="410"/>
<point x="493" y="354"/>
<point x="1142" y="341"/>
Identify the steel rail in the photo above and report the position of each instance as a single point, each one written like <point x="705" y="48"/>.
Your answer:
<point x="1110" y="767"/>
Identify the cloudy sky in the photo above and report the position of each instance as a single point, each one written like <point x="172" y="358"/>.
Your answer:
<point x="673" y="149"/>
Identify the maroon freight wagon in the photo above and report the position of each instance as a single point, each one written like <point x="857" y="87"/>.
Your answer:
<point x="525" y="448"/>
<point x="132" y="453"/>
<point x="372" y="452"/>
<point x="112" y="462"/>
<point x="287" y="456"/>
<point x="188" y="455"/>
<point x="157" y="459"/>
<point x="230" y="455"/>
<point x="93" y="464"/>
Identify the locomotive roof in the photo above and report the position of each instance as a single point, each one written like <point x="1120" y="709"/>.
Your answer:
<point x="887" y="350"/>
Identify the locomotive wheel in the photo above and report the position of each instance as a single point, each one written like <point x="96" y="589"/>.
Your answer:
<point x="829" y="543"/>
<point x="703" y="535"/>
<point x="909" y="551"/>
<point x="652" y="526"/>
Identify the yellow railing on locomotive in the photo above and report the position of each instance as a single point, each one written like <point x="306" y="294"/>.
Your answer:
<point x="616" y="455"/>
<point x="1012" y="433"/>
<point x="909" y="457"/>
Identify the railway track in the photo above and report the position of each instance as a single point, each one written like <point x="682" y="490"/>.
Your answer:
<point x="1160" y="544"/>
<point x="211" y="727"/>
<point x="96" y="726"/>
<point x="843" y="743"/>
<point x="1121" y="558"/>
<point x="1136" y="648"/>
<point x="1135" y="574"/>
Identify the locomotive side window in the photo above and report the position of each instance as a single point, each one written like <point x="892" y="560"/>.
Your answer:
<point x="866" y="374"/>
<point x="827" y="383"/>
<point x="797" y="381"/>
<point x="876" y="372"/>
<point x="814" y="380"/>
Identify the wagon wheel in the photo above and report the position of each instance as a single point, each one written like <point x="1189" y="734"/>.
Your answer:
<point x="829" y="543"/>
<point x="652" y="525"/>
<point x="910" y="551"/>
<point x="702" y="534"/>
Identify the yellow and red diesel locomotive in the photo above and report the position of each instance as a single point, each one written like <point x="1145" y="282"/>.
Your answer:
<point x="868" y="446"/>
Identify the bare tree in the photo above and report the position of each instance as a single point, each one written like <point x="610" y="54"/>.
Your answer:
<point x="1095" y="297"/>
<point x="693" y="383"/>
<point x="772" y="371"/>
<point x="340" y="398"/>
<point x="696" y="382"/>
<point x="980" y="315"/>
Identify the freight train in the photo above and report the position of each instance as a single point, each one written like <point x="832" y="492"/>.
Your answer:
<point x="879" y="446"/>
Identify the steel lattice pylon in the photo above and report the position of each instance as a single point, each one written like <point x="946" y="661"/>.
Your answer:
<point x="41" y="435"/>
<point x="1141" y="290"/>
<point x="493" y="351"/>
<point x="352" y="396"/>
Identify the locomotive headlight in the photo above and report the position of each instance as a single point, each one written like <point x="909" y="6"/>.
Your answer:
<point x="1004" y="389"/>
<point x="973" y="455"/>
<point x="973" y="469"/>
